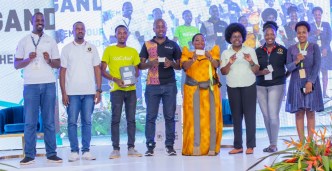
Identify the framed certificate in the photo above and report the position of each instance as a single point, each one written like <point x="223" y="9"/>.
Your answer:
<point x="128" y="75"/>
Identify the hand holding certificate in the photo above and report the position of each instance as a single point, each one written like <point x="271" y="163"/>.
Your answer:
<point x="128" y="75"/>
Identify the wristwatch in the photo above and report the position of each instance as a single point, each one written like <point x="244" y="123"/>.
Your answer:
<point x="99" y="90"/>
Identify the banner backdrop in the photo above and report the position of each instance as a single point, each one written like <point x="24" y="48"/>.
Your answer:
<point x="102" y="16"/>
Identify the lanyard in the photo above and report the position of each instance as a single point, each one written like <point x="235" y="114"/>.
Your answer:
<point x="34" y="43"/>
<point x="305" y="48"/>
<point x="269" y="53"/>
<point x="127" y="24"/>
<point x="320" y="25"/>
<point x="318" y="28"/>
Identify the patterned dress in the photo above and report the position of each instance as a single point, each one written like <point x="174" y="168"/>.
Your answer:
<point x="296" y="99"/>
<point x="202" y="118"/>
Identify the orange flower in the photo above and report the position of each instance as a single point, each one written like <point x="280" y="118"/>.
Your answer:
<point x="291" y="160"/>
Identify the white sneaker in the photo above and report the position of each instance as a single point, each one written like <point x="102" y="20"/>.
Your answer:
<point x="74" y="156"/>
<point x="88" y="156"/>
<point x="114" y="154"/>
<point x="133" y="153"/>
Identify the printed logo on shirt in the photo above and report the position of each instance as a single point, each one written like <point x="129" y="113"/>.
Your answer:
<point x="280" y="51"/>
<point x="89" y="49"/>
<point x="122" y="58"/>
<point x="168" y="47"/>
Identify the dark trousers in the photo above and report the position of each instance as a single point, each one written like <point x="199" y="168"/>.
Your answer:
<point x="117" y="99"/>
<point x="153" y="95"/>
<point x="243" y="103"/>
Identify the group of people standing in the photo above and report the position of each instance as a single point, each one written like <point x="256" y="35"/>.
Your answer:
<point x="250" y="75"/>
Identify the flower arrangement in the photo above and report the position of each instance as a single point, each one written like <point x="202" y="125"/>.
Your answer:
<point x="314" y="154"/>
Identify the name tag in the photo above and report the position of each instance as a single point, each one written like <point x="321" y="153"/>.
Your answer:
<point x="303" y="52"/>
<point x="319" y="43"/>
<point x="36" y="64"/>
<point x="302" y="73"/>
<point x="219" y="34"/>
<point x="270" y="68"/>
<point x="161" y="59"/>
<point x="268" y="76"/>
<point x="200" y="52"/>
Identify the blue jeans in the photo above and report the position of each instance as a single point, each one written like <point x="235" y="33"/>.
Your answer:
<point x="153" y="95"/>
<point x="117" y="99"/>
<point x="84" y="105"/>
<point x="39" y="96"/>
<point x="269" y="100"/>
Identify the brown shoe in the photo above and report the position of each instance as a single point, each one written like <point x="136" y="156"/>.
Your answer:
<point x="236" y="151"/>
<point x="250" y="151"/>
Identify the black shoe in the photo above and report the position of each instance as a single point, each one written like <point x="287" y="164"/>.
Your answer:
<point x="27" y="161"/>
<point x="170" y="151"/>
<point x="149" y="152"/>
<point x="54" y="159"/>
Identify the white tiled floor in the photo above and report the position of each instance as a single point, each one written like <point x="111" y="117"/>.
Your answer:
<point x="159" y="162"/>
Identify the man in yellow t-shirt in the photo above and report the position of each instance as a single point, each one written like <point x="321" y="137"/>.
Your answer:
<point x="116" y="57"/>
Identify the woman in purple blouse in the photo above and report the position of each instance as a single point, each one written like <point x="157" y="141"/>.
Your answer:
<point x="304" y="92"/>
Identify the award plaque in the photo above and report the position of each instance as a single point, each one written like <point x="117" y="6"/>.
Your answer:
<point x="128" y="75"/>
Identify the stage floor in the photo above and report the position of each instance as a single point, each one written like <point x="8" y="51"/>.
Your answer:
<point x="160" y="162"/>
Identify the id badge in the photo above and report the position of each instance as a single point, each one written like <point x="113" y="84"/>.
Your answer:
<point x="304" y="52"/>
<point x="302" y="73"/>
<point x="219" y="34"/>
<point x="36" y="64"/>
<point x="321" y="28"/>
<point x="161" y="59"/>
<point x="268" y="76"/>
<point x="319" y="43"/>
<point x="270" y="68"/>
<point x="200" y="52"/>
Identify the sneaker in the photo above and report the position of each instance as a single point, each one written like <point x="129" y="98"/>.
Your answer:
<point x="88" y="156"/>
<point x="115" y="154"/>
<point x="133" y="153"/>
<point x="54" y="159"/>
<point x="74" y="156"/>
<point x="27" y="161"/>
<point x="149" y="152"/>
<point x="170" y="151"/>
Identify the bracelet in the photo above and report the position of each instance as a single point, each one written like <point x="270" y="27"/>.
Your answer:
<point x="253" y="64"/>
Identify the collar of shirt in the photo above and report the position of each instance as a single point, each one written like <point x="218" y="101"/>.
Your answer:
<point x="82" y="44"/>
<point x="264" y="47"/>
<point x="242" y="49"/>
<point x="166" y="40"/>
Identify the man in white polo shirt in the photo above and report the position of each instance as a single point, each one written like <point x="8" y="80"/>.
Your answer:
<point x="37" y="53"/>
<point x="79" y="74"/>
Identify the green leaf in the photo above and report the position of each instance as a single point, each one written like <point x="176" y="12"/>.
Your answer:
<point x="326" y="162"/>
